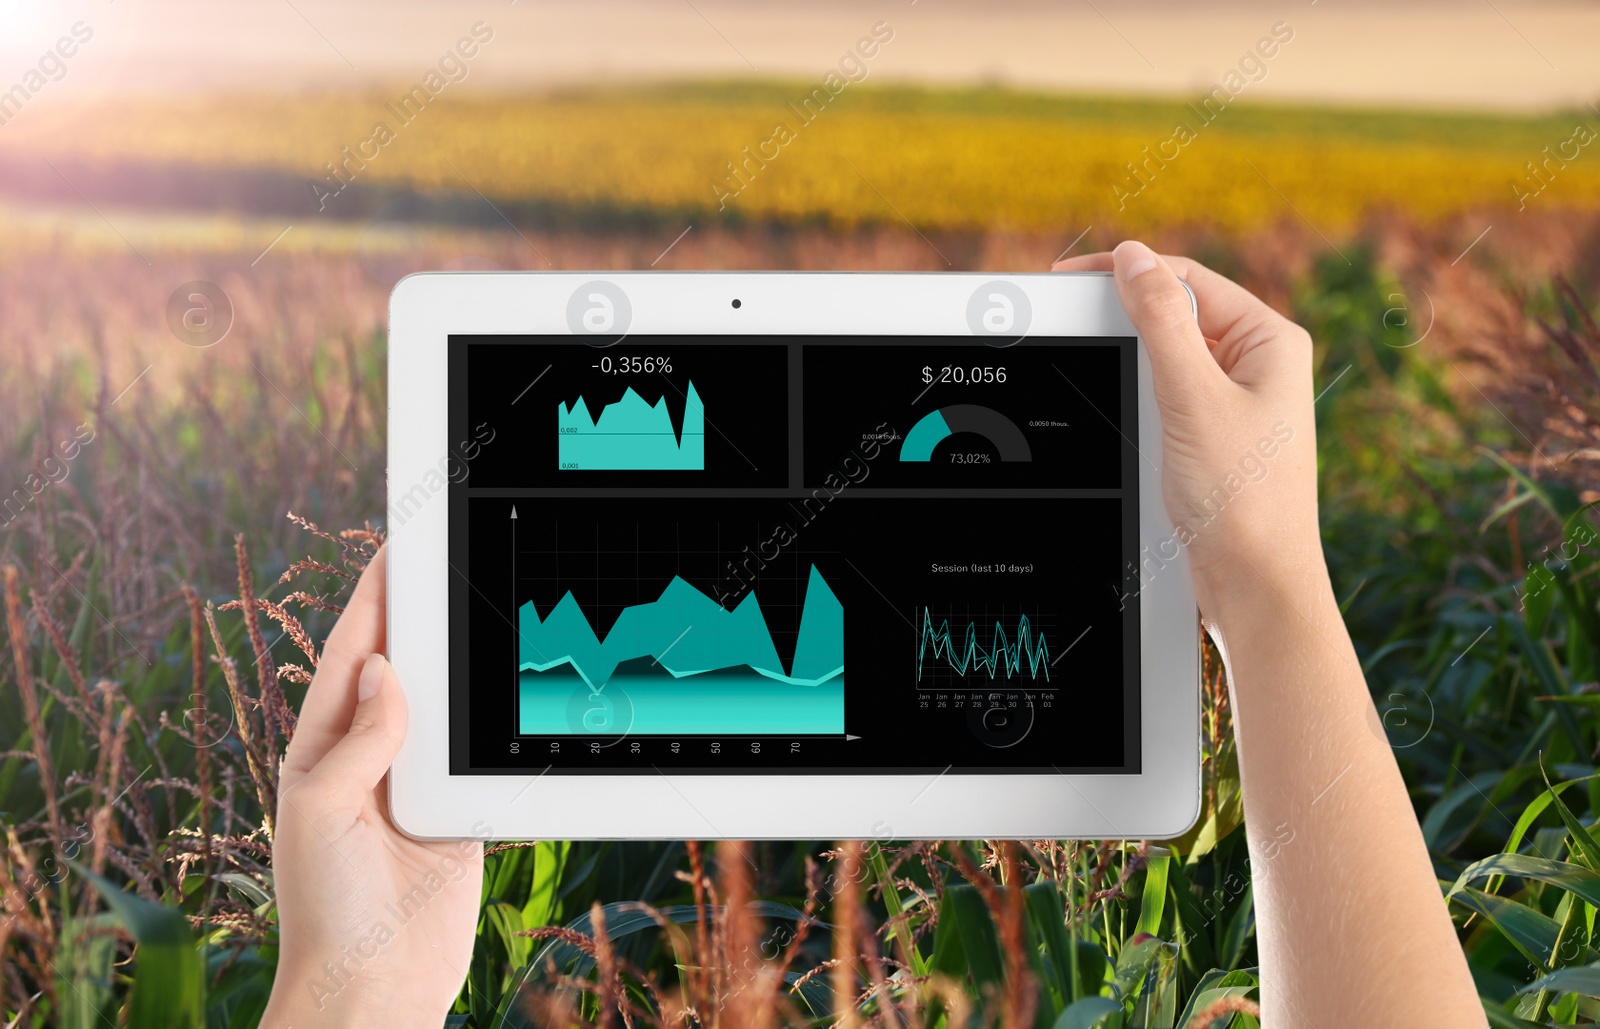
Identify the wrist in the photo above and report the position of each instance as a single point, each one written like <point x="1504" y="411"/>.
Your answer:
<point x="311" y="998"/>
<point x="1243" y="587"/>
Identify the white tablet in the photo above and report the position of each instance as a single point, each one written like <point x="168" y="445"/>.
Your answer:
<point x="698" y="555"/>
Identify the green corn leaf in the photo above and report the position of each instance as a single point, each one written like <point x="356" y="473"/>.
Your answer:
<point x="815" y="992"/>
<point x="949" y="954"/>
<point x="1215" y="985"/>
<point x="1554" y="497"/>
<point x="495" y="958"/>
<point x="979" y="939"/>
<point x="543" y="904"/>
<point x="168" y="974"/>
<point x="1153" y="903"/>
<point x="1478" y="792"/>
<point x="1499" y="1019"/>
<point x="1091" y="1013"/>
<point x="1531" y="933"/>
<point x="1047" y="915"/>
<point x="1157" y="1003"/>
<point x="895" y="907"/>
<point x="83" y="975"/>
<point x="1538" y="599"/>
<point x="1203" y="837"/>
<point x="1537" y="654"/>
<point x="1531" y="813"/>
<point x="1579" y="979"/>
<point x="1584" y="847"/>
<point x="1189" y="928"/>
<point x="247" y="886"/>
<point x="1503" y="510"/>
<point x="1575" y="879"/>
<point x="506" y="874"/>
<point x="624" y="918"/>
<point x="239" y="987"/>
<point x="1047" y="912"/>
<point x="1133" y="964"/>
<point x="1201" y="1001"/>
<point x="1239" y="928"/>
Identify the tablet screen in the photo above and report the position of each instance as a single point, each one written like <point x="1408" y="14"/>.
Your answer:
<point x="791" y="554"/>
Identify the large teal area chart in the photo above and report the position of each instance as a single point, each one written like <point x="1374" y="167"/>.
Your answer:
<point x="631" y="434"/>
<point x="684" y="665"/>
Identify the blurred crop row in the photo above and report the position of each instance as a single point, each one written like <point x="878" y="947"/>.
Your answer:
<point x="757" y="152"/>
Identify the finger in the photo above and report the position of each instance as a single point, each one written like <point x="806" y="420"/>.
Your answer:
<point x="352" y="769"/>
<point x="1160" y="309"/>
<point x="1225" y="306"/>
<point x="332" y="697"/>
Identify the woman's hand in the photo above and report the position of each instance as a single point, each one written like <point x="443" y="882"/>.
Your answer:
<point x="1239" y="455"/>
<point x="376" y="928"/>
<point x="1323" y="797"/>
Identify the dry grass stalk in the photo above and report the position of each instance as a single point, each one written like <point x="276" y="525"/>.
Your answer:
<point x="264" y="783"/>
<point x="847" y="938"/>
<point x="103" y="823"/>
<point x="1021" y="997"/>
<point x="699" y="985"/>
<point x="17" y="629"/>
<point x="199" y="714"/>
<point x="69" y="660"/>
<point x="605" y="960"/>
<point x="1544" y="375"/>
<point x="1570" y="398"/>
<point x="279" y="719"/>
<point x="751" y="998"/>
<point x="291" y="625"/>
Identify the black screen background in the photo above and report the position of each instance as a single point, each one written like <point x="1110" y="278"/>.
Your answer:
<point x="790" y="425"/>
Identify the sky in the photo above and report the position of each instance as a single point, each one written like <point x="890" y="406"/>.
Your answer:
<point x="1497" y="54"/>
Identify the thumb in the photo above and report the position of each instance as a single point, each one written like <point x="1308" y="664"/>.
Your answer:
<point x="357" y="762"/>
<point x="1161" y="308"/>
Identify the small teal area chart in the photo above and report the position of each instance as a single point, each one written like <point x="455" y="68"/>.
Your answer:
<point x="1018" y="654"/>
<point x="631" y="435"/>
<point x="685" y="665"/>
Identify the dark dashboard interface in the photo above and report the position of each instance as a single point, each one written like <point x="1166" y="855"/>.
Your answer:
<point x="792" y="554"/>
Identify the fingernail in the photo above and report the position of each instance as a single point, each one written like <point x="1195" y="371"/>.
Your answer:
<point x="1132" y="259"/>
<point x="371" y="680"/>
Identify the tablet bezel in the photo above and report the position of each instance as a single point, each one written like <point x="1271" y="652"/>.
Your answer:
<point x="1162" y="800"/>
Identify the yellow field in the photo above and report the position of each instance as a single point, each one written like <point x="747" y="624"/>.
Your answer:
<point x="944" y="159"/>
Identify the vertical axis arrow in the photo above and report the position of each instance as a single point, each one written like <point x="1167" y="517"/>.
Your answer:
<point x="516" y="618"/>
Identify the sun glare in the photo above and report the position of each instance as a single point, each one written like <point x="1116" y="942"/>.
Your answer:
<point x="26" y="24"/>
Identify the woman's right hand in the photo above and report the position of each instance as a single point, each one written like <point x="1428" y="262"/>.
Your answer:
<point x="1323" y="796"/>
<point x="1239" y="456"/>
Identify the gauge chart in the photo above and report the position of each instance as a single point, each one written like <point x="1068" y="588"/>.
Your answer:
<point x="936" y="426"/>
<point x="970" y="416"/>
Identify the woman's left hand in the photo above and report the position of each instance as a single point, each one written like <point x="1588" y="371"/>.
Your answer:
<point x="376" y="928"/>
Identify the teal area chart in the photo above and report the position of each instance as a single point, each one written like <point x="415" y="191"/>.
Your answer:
<point x="681" y="665"/>
<point x="631" y="435"/>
